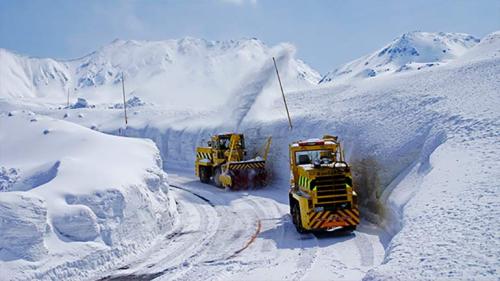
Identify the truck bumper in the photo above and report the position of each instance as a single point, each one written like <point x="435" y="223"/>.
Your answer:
<point x="330" y="219"/>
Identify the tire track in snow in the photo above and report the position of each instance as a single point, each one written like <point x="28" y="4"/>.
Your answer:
<point x="307" y="243"/>
<point x="365" y="249"/>
<point x="178" y="247"/>
<point x="271" y="212"/>
<point x="237" y="230"/>
<point x="252" y="239"/>
<point x="237" y="249"/>
<point x="307" y="255"/>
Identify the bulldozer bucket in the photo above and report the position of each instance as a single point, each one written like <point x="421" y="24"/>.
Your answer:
<point x="245" y="174"/>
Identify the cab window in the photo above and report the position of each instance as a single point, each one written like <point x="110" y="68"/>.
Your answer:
<point x="310" y="156"/>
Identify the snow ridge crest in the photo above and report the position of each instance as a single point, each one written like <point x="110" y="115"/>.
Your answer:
<point x="411" y="51"/>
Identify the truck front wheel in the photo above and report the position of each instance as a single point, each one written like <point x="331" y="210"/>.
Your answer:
<point x="217" y="174"/>
<point x="204" y="175"/>
<point x="297" y="220"/>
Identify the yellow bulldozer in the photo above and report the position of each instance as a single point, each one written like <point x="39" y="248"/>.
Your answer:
<point x="222" y="161"/>
<point x="321" y="192"/>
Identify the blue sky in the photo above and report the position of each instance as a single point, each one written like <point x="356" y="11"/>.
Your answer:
<point x="326" y="33"/>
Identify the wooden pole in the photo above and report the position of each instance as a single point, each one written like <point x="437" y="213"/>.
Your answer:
<point x="124" y="103"/>
<point x="283" y="94"/>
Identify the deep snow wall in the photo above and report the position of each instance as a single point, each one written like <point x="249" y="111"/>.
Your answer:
<point x="373" y="168"/>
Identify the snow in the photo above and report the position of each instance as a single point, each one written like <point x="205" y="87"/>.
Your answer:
<point x="411" y="51"/>
<point x="71" y="194"/>
<point x="23" y="227"/>
<point x="131" y="102"/>
<point x="204" y="72"/>
<point x="421" y="143"/>
<point x="80" y="103"/>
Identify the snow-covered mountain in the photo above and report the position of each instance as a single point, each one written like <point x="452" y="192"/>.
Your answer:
<point x="154" y="70"/>
<point x="22" y="77"/>
<point x="410" y="51"/>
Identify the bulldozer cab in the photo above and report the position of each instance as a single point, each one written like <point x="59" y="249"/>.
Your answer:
<point x="223" y="141"/>
<point x="228" y="147"/>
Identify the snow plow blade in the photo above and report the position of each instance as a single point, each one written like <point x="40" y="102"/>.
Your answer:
<point x="244" y="175"/>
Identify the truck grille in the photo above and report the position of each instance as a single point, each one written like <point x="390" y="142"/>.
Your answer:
<point x="331" y="189"/>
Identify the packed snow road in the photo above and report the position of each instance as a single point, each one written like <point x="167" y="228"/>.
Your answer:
<point x="223" y="235"/>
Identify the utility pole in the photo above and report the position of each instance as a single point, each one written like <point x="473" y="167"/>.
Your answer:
<point x="283" y="94"/>
<point x="124" y="103"/>
<point x="67" y="102"/>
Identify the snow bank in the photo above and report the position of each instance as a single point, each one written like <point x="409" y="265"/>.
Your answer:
<point x="74" y="200"/>
<point x="23" y="226"/>
<point x="449" y="210"/>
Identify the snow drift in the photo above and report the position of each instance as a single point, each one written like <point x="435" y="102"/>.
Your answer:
<point x="72" y="197"/>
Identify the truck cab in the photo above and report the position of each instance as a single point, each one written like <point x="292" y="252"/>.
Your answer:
<point x="321" y="193"/>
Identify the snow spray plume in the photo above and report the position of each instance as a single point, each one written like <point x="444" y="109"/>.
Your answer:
<point x="254" y="85"/>
<point x="367" y="185"/>
<point x="246" y="94"/>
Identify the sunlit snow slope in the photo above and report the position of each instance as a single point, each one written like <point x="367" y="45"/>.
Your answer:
<point x="72" y="198"/>
<point x="409" y="52"/>
<point x="157" y="71"/>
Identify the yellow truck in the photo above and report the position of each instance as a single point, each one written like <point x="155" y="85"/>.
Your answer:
<point x="223" y="162"/>
<point x="321" y="190"/>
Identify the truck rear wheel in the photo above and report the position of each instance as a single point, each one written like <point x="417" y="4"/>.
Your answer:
<point x="297" y="219"/>
<point x="204" y="175"/>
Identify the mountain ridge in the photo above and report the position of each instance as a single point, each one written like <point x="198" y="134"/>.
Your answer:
<point x="178" y="61"/>
<point x="414" y="50"/>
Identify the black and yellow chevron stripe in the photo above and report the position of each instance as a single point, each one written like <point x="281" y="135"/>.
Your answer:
<point x="349" y="216"/>
<point x="349" y="179"/>
<point x="249" y="165"/>
<point x="203" y="155"/>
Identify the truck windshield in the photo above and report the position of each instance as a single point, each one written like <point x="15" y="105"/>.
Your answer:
<point x="309" y="156"/>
